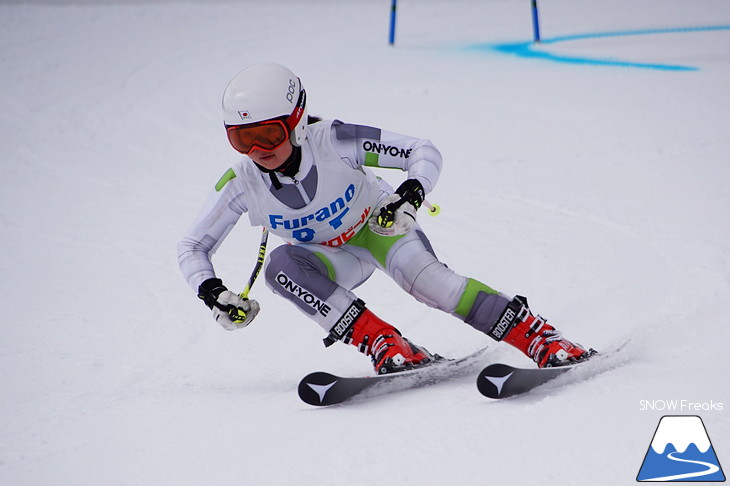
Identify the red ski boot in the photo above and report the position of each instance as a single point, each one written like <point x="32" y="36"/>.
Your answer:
<point x="536" y="338"/>
<point x="388" y="349"/>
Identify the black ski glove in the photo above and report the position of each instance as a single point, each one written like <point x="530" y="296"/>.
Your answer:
<point x="412" y="191"/>
<point x="209" y="291"/>
<point x="393" y="216"/>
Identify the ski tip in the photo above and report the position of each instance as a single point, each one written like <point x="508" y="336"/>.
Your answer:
<point x="491" y="380"/>
<point x="502" y="381"/>
<point x="313" y="388"/>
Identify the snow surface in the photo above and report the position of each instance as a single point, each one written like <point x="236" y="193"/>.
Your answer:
<point x="600" y="192"/>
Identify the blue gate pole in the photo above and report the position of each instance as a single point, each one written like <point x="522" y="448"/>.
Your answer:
<point x="535" y="22"/>
<point x="391" y="36"/>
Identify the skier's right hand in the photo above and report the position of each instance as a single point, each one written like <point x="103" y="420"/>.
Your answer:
<point x="229" y="309"/>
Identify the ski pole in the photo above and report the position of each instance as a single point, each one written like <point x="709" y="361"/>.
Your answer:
<point x="237" y="314"/>
<point x="433" y="209"/>
<point x="259" y="264"/>
<point x="387" y="213"/>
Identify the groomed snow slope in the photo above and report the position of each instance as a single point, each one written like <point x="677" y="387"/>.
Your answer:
<point x="599" y="191"/>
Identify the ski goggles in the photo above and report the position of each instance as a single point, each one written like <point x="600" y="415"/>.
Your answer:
<point x="266" y="135"/>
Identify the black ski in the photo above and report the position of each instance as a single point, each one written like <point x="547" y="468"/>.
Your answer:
<point x="322" y="389"/>
<point x="501" y="381"/>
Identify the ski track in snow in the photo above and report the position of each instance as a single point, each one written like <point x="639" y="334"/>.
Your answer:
<point x="600" y="193"/>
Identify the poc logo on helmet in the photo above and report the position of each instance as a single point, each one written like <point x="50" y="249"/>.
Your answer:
<point x="292" y="89"/>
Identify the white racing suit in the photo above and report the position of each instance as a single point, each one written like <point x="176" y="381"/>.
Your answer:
<point x="322" y="212"/>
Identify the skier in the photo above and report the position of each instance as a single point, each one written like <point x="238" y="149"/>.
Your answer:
<point x="308" y="182"/>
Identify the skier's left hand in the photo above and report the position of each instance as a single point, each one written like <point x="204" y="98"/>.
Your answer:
<point x="396" y="214"/>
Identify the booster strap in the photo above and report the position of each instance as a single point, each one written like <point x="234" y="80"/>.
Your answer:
<point x="515" y="313"/>
<point x="344" y="324"/>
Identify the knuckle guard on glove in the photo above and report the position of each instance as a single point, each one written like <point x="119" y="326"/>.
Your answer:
<point x="234" y="312"/>
<point x="392" y="217"/>
<point x="396" y="214"/>
<point x="229" y="309"/>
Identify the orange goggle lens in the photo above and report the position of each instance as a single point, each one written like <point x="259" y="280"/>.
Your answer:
<point x="267" y="135"/>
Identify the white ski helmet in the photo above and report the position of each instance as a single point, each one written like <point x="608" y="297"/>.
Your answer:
<point x="264" y="92"/>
